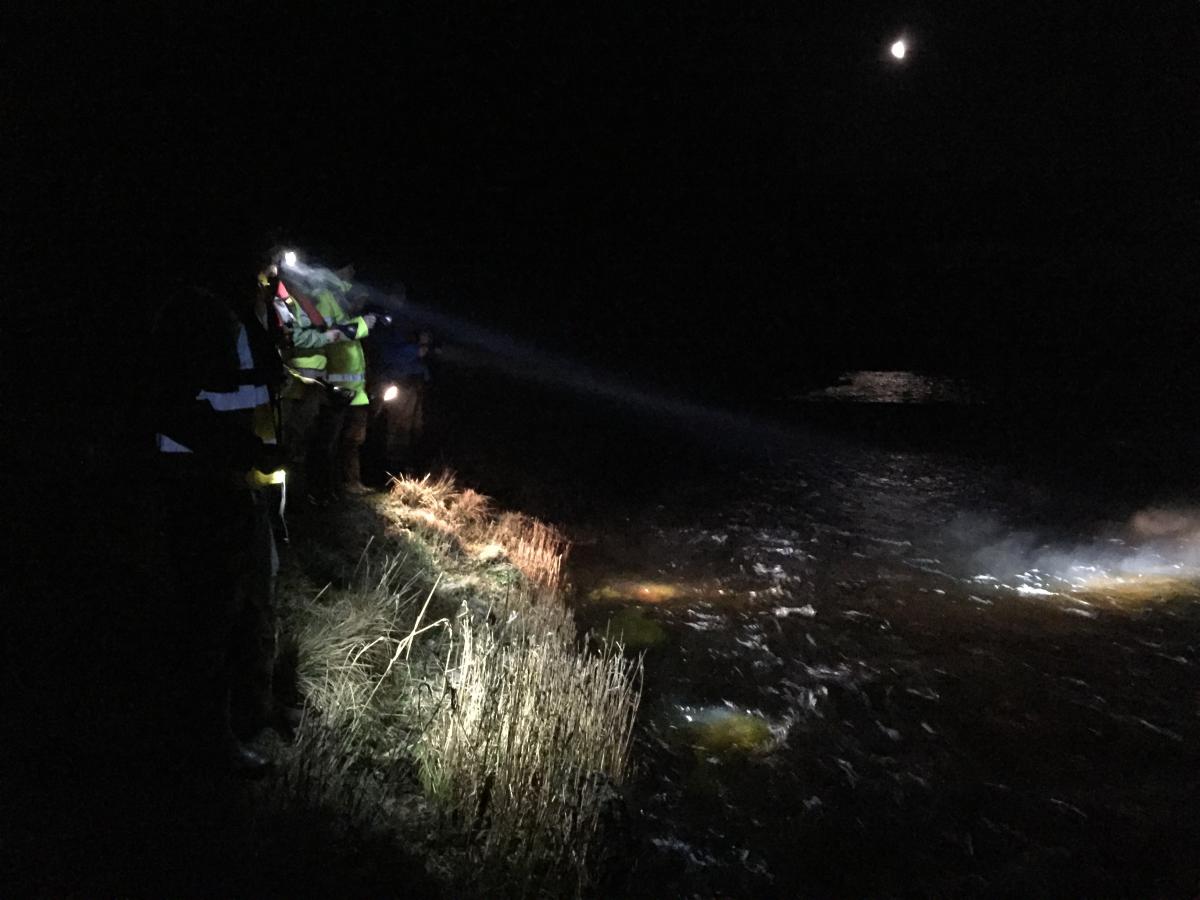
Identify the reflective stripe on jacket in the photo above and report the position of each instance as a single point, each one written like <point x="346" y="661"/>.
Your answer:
<point x="253" y="397"/>
<point x="347" y="364"/>
<point x="310" y="342"/>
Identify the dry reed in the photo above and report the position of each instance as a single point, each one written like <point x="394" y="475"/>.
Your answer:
<point x="519" y="734"/>
<point x="536" y="736"/>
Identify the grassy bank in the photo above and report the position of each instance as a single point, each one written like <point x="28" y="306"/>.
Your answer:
<point x="452" y="708"/>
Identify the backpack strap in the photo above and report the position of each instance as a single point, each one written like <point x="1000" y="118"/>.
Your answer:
<point x="309" y="307"/>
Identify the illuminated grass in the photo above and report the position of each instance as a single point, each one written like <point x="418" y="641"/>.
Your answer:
<point x="356" y="655"/>
<point x="455" y="658"/>
<point x="462" y="522"/>
<point x="534" y="739"/>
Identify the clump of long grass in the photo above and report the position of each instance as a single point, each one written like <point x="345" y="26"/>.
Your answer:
<point x="355" y="659"/>
<point x="518" y="733"/>
<point x="464" y="521"/>
<point x="368" y="665"/>
<point x="536" y="549"/>
<point x="428" y="492"/>
<point x="524" y="757"/>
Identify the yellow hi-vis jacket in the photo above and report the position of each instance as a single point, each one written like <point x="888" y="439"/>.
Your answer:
<point x="347" y="366"/>
<point x="310" y="340"/>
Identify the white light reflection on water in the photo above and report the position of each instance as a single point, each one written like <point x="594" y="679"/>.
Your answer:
<point x="1158" y="568"/>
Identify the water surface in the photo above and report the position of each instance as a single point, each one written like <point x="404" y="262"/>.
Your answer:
<point x="875" y="671"/>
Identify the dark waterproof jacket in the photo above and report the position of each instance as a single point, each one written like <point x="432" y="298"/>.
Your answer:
<point x="195" y="349"/>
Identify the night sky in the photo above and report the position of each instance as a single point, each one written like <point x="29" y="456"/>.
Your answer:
<point x="693" y="192"/>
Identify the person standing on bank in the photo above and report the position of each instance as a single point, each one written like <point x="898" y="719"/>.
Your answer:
<point x="400" y="382"/>
<point x="216" y="369"/>
<point x="307" y="328"/>
<point x="346" y="430"/>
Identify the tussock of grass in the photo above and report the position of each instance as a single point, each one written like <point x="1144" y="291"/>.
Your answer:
<point x="536" y="549"/>
<point x="463" y="521"/>
<point x="355" y="652"/>
<point x="536" y="734"/>
<point x="517" y="733"/>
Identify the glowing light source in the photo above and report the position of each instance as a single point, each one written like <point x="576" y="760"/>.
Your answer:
<point x="290" y="258"/>
<point x="390" y="393"/>
<point x="899" y="49"/>
<point x="279" y="476"/>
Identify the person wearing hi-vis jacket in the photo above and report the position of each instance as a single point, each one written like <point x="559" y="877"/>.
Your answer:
<point x="309" y="325"/>
<point x="343" y="428"/>
<point x="211" y="403"/>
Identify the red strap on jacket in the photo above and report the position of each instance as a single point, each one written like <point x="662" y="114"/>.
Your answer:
<point x="306" y="304"/>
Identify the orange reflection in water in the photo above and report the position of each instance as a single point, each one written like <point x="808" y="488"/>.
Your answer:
<point x="1134" y="588"/>
<point x="639" y="591"/>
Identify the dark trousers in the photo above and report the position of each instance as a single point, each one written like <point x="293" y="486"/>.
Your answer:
<point x="222" y="617"/>
<point x="325" y="480"/>
<point x="256" y="634"/>
<point x="396" y="428"/>
<point x="301" y="417"/>
<point x="341" y="431"/>
<point x="354" y="435"/>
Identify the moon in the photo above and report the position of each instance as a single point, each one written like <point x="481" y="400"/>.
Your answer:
<point x="899" y="49"/>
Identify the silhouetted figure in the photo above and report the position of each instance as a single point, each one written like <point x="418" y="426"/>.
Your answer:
<point x="215" y="374"/>
<point x="400" y="383"/>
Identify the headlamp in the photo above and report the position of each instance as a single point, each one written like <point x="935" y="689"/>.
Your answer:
<point x="390" y="393"/>
<point x="290" y="258"/>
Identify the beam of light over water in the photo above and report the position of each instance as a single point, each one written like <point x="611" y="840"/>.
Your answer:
<point x="478" y="346"/>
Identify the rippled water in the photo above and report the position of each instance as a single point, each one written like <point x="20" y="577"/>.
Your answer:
<point x="884" y="673"/>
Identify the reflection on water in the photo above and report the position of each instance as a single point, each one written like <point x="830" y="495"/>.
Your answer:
<point x="1123" y="589"/>
<point x="637" y="591"/>
<point x="720" y="731"/>
<point x="894" y="387"/>
<point x="633" y="629"/>
<point x="869" y="671"/>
